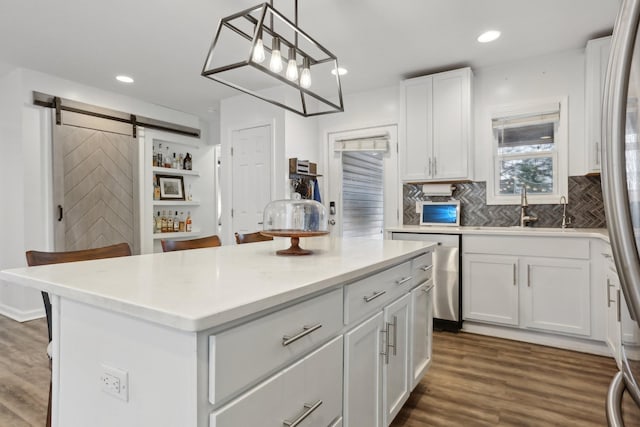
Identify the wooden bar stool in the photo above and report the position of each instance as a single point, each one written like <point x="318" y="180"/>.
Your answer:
<point x="181" y="245"/>
<point x="35" y="258"/>
<point x="251" y="238"/>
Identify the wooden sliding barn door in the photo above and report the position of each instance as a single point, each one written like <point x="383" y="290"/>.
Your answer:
<point x="95" y="182"/>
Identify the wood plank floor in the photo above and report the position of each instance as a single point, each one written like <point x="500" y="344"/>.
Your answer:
<point x="483" y="381"/>
<point x="474" y="381"/>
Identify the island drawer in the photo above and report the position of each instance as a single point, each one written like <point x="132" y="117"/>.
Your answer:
<point x="370" y="294"/>
<point x="247" y="353"/>
<point x="311" y="387"/>
<point x="422" y="268"/>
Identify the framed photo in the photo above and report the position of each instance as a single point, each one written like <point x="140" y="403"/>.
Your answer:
<point x="171" y="187"/>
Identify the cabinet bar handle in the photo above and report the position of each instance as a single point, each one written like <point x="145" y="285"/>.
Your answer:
<point x="310" y="407"/>
<point x="395" y="334"/>
<point x="426" y="267"/>
<point x="606" y="255"/>
<point x="306" y="330"/>
<point x="374" y="296"/>
<point x="618" y="305"/>
<point x="609" y="286"/>
<point x="435" y="166"/>
<point x="429" y="166"/>
<point x="514" y="275"/>
<point x="528" y="276"/>
<point x="403" y="280"/>
<point x="597" y="153"/>
<point x="385" y="353"/>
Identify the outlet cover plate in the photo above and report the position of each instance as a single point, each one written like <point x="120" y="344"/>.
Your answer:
<point x="115" y="382"/>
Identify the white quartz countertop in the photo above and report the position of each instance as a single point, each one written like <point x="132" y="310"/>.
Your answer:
<point x="600" y="233"/>
<point x="199" y="289"/>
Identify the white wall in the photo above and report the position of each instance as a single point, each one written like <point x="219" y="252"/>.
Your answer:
<point x="25" y="138"/>
<point x="544" y="77"/>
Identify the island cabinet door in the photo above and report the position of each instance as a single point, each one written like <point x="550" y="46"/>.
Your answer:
<point x="308" y="393"/>
<point x="363" y="374"/>
<point x="421" y="331"/>
<point x="490" y="288"/>
<point x="395" y="368"/>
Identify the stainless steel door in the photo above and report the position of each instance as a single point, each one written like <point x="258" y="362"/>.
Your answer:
<point x="621" y="188"/>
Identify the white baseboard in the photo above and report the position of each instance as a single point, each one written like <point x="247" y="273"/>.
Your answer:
<point x="21" y="315"/>
<point x="560" y="341"/>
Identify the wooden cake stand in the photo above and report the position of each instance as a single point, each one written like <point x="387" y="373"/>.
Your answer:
<point x="295" y="235"/>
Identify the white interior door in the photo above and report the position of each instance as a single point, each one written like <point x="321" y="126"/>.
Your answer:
<point x="360" y="164"/>
<point x="251" y="177"/>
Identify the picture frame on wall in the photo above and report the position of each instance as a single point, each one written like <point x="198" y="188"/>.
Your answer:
<point x="171" y="187"/>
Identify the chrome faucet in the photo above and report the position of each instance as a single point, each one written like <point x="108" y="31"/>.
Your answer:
<point x="565" y="219"/>
<point x="525" y="219"/>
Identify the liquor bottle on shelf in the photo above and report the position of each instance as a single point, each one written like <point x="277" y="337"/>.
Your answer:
<point x="169" y="223"/>
<point x="188" y="224"/>
<point x="157" y="227"/>
<point x="159" y="160"/>
<point x="180" y="161"/>
<point x="167" y="159"/>
<point x="189" y="194"/>
<point x="154" y="157"/>
<point x="181" y="224"/>
<point x="176" y="223"/>
<point x="163" y="228"/>
<point x="174" y="161"/>
<point x="156" y="189"/>
<point x="187" y="162"/>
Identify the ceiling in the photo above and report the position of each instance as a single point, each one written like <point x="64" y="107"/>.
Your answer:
<point x="163" y="43"/>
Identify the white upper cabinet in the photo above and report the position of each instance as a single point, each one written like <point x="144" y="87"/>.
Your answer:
<point x="435" y="142"/>
<point x="597" y="54"/>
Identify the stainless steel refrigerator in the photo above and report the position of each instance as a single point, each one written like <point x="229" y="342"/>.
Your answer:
<point x="621" y="189"/>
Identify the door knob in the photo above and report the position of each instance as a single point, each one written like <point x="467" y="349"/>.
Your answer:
<point x="332" y="221"/>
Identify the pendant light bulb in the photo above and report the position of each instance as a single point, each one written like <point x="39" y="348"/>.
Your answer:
<point x="258" y="51"/>
<point x="305" y="76"/>
<point x="292" y="68"/>
<point x="275" y="64"/>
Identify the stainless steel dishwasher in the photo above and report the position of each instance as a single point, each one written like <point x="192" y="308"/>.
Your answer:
<point x="447" y="285"/>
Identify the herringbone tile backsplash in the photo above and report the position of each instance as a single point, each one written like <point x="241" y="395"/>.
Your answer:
<point x="586" y="207"/>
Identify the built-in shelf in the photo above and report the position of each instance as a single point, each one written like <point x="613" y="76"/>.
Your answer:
<point x="302" y="175"/>
<point x="177" y="172"/>
<point x="176" y="203"/>
<point x="178" y="235"/>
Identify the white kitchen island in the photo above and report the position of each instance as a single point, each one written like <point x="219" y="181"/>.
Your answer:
<point x="237" y="336"/>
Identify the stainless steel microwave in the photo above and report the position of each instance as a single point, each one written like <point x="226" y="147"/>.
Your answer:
<point x="440" y="213"/>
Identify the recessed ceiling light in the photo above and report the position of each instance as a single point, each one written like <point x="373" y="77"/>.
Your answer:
<point x="341" y="71"/>
<point x="488" y="36"/>
<point x="124" y="79"/>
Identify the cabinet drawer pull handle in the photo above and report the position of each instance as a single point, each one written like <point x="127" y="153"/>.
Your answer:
<point x="606" y="255"/>
<point x="310" y="407"/>
<point x="403" y="280"/>
<point x="528" y="276"/>
<point x="514" y="275"/>
<point x="374" y="296"/>
<point x="426" y="267"/>
<point x="306" y="330"/>
<point x="618" y="305"/>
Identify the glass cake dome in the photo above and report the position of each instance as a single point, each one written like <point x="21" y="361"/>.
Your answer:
<point x="295" y="218"/>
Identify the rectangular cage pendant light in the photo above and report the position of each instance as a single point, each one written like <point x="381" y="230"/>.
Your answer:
<point x="262" y="53"/>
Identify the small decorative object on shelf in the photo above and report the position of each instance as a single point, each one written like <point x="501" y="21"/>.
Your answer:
<point x="295" y="218"/>
<point x="187" y="162"/>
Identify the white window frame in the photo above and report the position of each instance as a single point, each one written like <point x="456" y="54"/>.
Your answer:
<point x="560" y="155"/>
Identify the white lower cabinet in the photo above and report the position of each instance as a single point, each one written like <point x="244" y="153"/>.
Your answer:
<point x="422" y="329"/>
<point x="614" y="332"/>
<point x="363" y="374"/>
<point x="490" y="288"/>
<point x="395" y="367"/>
<point x="556" y="295"/>
<point x="308" y="393"/>
<point x="517" y="285"/>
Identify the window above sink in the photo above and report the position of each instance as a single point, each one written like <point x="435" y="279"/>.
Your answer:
<point x="529" y="150"/>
